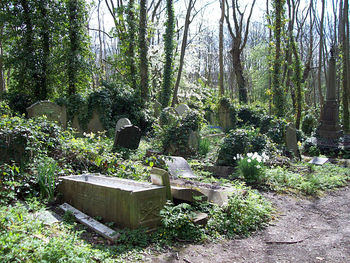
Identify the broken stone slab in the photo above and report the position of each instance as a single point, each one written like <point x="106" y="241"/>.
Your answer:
<point x="49" y="218"/>
<point x="200" y="219"/>
<point x="213" y="193"/>
<point x="179" y="167"/>
<point x="187" y="194"/>
<point x="161" y="177"/>
<point x="319" y="160"/>
<point x="220" y="171"/>
<point x="98" y="227"/>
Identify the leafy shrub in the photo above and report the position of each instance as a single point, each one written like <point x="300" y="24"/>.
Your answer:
<point x="177" y="222"/>
<point x="5" y="109"/>
<point x="250" y="115"/>
<point x="241" y="141"/>
<point x="19" y="102"/>
<point x="310" y="147"/>
<point x="251" y="167"/>
<point x="277" y="131"/>
<point x="46" y="172"/>
<point x="175" y="136"/>
<point x="308" y="123"/>
<point x="204" y="145"/>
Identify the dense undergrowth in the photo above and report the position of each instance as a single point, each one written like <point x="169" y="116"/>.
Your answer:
<point x="35" y="152"/>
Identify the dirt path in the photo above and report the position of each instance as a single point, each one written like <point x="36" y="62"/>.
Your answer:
<point x="305" y="231"/>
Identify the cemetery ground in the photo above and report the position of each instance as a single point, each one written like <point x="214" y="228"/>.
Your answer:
<point x="284" y="210"/>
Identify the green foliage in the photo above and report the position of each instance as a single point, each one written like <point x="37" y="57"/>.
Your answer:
<point x="307" y="180"/>
<point x="251" y="168"/>
<point x="204" y="145"/>
<point x="47" y="169"/>
<point x="310" y="147"/>
<point x="18" y="101"/>
<point x="177" y="222"/>
<point x="175" y="136"/>
<point x="246" y="211"/>
<point x="169" y="49"/>
<point x="241" y="141"/>
<point x="309" y="123"/>
<point x="23" y="239"/>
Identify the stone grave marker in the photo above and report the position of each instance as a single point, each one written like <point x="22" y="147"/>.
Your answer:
<point x="121" y="123"/>
<point x="178" y="166"/>
<point x="291" y="140"/>
<point x="52" y="111"/>
<point x="161" y="177"/>
<point x="182" y="109"/>
<point x="224" y="117"/>
<point x="193" y="140"/>
<point x="168" y="115"/>
<point x="95" y="124"/>
<point x="128" y="136"/>
<point x="319" y="160"/>
<point x="157" y="108"/>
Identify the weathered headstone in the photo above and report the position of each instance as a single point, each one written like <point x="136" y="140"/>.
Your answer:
<point x="52" y="111"/>
<point x="193" y="140"/>
<point x="182" y="109"/>
<point x="95" y="124"/>
<point x="329" y="128"/>
<point x="128" y="136"/>
<point x="224" y="117"/>
<point x="178" y="166"/>
<point x="291" y="140"/>
<point x="76" y="124"/>
<point x="121" y="123"/>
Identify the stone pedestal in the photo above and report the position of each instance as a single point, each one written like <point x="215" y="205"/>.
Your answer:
<point x="329" y="127"/>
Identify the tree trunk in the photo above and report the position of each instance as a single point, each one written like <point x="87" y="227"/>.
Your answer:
<point x="241" y="82"/>
<point x="143" y="47"/>
<point x="2" y="79"/>
<point x="221" y="50"/>
<point x="131" y="46"/>
<point x="169" y="48"/>
<point x="346" y="64"/>
<point x="278" y="98"/>
<point x="319" y="86"/>
<point x="183" y="50"/>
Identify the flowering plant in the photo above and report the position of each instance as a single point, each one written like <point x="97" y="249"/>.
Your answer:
<point x="251" y="167"/>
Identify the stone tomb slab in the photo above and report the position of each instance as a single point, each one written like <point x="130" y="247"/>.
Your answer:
<point x="128" y="136"/>
<point x="51" y="110"/>
<point x="126" y="202"/>
<point x="319" y="160"/>
<point x="179" y="167"/>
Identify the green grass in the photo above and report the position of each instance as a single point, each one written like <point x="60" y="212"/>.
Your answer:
<point x="307" y="179"/>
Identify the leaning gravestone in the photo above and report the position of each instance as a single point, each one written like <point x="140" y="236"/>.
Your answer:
<point x="121" y="123"/>
<point x="224" y="117"/>
<point x="182" y="109"/>
<point x="95" y="124"/>
<point x="128" y="136"/>
<point x="52" y="111"/>
<point x="291" y="140"/>
<point x="178" y="166"/>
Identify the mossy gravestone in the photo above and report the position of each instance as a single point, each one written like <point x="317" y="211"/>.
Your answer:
<point x="128" y="137"/>
<point x="224" y="116"/>
<point x="291" y="141"/>
<point x="182" y="109"/>
<point x="121" y="123"/>
<point x="95" y="124"/>
<point x="51" y="110"/>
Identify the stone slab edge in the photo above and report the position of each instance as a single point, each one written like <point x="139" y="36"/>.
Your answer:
<point x="98" y="227"/>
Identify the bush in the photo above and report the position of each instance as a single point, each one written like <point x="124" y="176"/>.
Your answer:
<point x="251" y="167"/>
<point x="177" y="222"/>
<point x="241" y="141"/>
<point x="308" y="123"/>
<point x="19" y="102"/>
<point x="250" y="115"/>
<point x="175" y="136"/>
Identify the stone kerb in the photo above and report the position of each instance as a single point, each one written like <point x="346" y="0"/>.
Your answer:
<point x="51" y="110"/>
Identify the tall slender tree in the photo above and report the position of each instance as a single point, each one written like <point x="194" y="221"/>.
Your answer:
<point x="169" y="49"/>
<point x="143" y="47"/>
<point x="221" y="49"/>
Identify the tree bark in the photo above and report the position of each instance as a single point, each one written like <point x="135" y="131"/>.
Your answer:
<point x="2" y="79"/>
<point x="143" y="47"/>
<point x="183" y="50"/>
<point x="221" y="50"/>
<point x="320" y="59"/>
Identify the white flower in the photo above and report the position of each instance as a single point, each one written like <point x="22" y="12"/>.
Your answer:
<point x="258" y="166"/>
<point x="249" y="160"/>
<point x="249" y="155"/>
